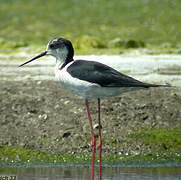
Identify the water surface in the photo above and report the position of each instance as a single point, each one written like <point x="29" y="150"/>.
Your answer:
<point x="83" y="173"/>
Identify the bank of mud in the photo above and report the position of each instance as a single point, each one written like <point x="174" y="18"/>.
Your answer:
<point x="42" y="115"/>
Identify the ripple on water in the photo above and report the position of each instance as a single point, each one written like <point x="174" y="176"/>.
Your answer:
<point x="83" y="172"/>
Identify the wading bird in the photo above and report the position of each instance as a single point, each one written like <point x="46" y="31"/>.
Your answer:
<point x="88" y="79"/>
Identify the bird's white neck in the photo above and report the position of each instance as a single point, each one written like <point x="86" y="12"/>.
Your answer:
<point x="61" y="63"/>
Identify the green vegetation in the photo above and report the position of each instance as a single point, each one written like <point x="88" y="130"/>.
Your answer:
<point x="165" y="143"/>
<point x="96" y="26"/>
<point x="162" y="140"/>
<point x="20" y="156"/>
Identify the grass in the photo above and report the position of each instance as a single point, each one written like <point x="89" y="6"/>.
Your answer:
<point x="160" y="140"/>
<point x="100" y="26"/>
<point x="171" y="138"/>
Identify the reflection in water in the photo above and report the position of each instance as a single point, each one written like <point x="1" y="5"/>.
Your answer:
<point x="83" y="173"/>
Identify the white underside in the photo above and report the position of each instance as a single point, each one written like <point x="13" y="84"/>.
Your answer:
<point x="86" y="89"/>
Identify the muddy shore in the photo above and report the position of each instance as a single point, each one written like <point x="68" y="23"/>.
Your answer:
<point x="44" y="116"/>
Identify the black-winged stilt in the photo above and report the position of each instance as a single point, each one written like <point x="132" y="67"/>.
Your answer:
<point x="88" y="79"/>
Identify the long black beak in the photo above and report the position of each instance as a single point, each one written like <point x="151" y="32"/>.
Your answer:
<point x="36" y="57"/>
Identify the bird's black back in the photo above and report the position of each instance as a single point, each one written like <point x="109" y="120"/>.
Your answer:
<point x="105" y="76"/>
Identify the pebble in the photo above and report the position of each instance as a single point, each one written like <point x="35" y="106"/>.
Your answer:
<point x="43" y="116"/>
<point x="67" y="102"/>
<point x="39" y="82"/>
<point x="96" y="126"/>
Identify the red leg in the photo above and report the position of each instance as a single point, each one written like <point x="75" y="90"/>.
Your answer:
<point x="93" y="142"/>
<point x="100" y="141"/>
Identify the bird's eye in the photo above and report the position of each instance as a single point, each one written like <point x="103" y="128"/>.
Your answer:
<point x="52" y="46"/>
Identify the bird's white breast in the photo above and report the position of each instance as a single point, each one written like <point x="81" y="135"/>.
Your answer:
<point x="77" y="86"/>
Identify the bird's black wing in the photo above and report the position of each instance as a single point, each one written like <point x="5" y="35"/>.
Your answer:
<point x="103" y="75"/>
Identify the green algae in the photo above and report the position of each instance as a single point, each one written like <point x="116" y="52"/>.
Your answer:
<point x="21" y="156"/>
<point x="165" y="143"/>
<point x="162" y="140"/>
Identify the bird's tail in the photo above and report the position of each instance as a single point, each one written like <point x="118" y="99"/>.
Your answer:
<point x="147" y="85"/>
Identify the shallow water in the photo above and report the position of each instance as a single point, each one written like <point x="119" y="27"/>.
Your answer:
<point x="147" y="68"/>
<point x="83" y="173"/>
